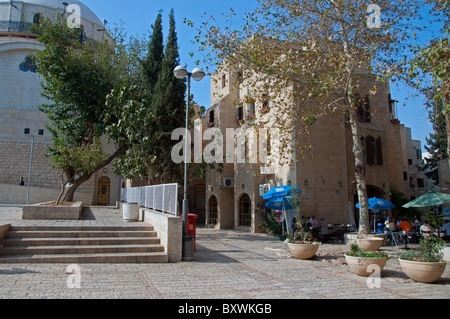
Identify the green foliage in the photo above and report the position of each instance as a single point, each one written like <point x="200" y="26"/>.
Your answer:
<point x="151" y="115"/>
<point x="356" y="251"/>
<point x="301" y="237"/>
<point x="431" y="250"/>
<point x="434" y="217"/>
<point x="271" y="223"/>
<point x="399" y="199"/>
<point x="437" y="141"/>
<point x="83" y="159"/>
<point x="302" y="231"/>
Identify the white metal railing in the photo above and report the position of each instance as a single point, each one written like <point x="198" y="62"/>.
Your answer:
<point x="162" y="198"/>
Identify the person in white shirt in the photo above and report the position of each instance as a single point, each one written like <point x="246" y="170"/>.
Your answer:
<point x="426" y="230"/>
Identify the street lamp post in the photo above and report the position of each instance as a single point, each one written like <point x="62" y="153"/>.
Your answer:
<point x="197" y="74"/>
<point x="27" y="132"/>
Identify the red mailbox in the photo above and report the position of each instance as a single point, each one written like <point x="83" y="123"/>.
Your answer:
<point x="192" y="227"/>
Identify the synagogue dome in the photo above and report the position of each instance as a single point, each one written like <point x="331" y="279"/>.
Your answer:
<point x="16" y="16"/>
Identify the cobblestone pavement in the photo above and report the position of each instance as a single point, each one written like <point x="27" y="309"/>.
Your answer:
<point x="228" y="265"/>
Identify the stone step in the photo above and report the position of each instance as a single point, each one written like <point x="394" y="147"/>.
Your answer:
<point x="128" y="258"/>
<point x="52" y="241"/>
<point x="82" y="244"/>
<point x="81" y="228"/>
<point x="78" y="234"/>
<point x="79" y="249"/>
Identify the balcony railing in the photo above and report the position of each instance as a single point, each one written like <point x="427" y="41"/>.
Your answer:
<point x="15" y="27"/>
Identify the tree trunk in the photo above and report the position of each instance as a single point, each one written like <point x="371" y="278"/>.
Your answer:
<point x="364" y="221"/>
<point x="360" y="176"/>
<point x="70" y="187"/>
<point x="447" y="118"/>
<point x="360" y="171"/>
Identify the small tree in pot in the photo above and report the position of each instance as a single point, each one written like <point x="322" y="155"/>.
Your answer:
<point x="428" y="264"/>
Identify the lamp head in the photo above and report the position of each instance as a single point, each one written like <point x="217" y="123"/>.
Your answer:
<point x="180" y="72"/>
<point x="198" y="74"/>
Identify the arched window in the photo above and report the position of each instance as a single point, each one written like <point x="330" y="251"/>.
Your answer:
<point x="245" y="211"/>
<point x="213" y="212"/>
<point x="37" y="19"/>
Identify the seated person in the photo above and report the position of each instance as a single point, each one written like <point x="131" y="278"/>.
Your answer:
<point x="390" y="224"/>
<point x="405" y="226"/>
<point x="426" y="230"/>
<point x="446" y="229"/>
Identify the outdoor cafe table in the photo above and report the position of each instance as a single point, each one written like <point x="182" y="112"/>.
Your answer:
<point x="404" y="235"/>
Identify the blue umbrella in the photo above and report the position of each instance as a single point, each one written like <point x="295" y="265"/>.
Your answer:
<point x="278" y="203"/>
<point x="281" y="191"/>
<point x="278" y="198"/>
<point x="378" y="203"/>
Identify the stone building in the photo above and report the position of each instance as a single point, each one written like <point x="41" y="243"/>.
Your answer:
<point x="326" y="175"/>
<point x="20" y="120"/>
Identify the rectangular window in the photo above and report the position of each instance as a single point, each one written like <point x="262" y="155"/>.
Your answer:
<point x="240" y="114"/>
<point x="363" y="108"/>
<point x="211" y="117"/>
<point x="224" y="81"/>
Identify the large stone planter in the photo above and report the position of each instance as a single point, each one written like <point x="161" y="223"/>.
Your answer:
<point x="359" y="265"/>
<point x="49" y="211"/>
<point x="370" y="243"/>
<point x="424" y="272"/>
<point x="303" y="251"/>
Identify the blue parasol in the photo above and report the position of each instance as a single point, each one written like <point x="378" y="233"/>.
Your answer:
<point x="378" y="203"/>
<point x="278" y="198"/>
<point x="281" y="191"/>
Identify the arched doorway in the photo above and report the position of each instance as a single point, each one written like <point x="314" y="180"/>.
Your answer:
<point x="245" y="211"/>
<point x="104" y="189"/>
<point x="213" y="212"/>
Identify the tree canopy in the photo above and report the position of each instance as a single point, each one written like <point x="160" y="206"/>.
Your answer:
<point x="324" y="52"/>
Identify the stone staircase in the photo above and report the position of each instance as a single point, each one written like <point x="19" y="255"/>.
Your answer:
<point x="82" y="244"/>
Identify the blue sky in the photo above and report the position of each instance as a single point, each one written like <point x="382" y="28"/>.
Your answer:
<point x="138" y="15"/>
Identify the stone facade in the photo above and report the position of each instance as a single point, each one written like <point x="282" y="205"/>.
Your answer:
<point x="325" y="173"/>
<point x="20" y="85"/>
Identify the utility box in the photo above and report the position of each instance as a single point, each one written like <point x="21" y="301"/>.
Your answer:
<point x="192" y="227"/>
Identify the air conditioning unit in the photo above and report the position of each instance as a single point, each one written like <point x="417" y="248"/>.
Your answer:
<point x="228" y="182"/>
<point x="264" y="188"/>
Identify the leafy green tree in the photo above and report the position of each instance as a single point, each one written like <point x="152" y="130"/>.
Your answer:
<point x="433" y="61"/>
<point x="78" y="75"/>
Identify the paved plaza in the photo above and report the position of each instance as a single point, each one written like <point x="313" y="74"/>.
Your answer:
<point x="228" y="265"/>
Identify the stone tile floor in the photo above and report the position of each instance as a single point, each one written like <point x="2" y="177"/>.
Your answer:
<point x="228" y="264"/>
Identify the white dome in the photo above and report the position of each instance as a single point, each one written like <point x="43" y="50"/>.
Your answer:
<point x="53" y="5"/>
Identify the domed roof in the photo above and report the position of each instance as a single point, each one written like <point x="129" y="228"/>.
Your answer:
<point x="86" y="13"/>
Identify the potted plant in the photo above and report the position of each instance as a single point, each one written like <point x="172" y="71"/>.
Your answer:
<point x="301" y="244"/>
<point x="360" y="260"/>
<point x="428" y="264"/>
<point x="369" y="243"/>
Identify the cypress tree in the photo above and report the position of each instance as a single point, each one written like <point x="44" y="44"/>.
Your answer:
<point x="168" y="106"/>
<point x="152" y="64"/>
<point x="437" y="142"/>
